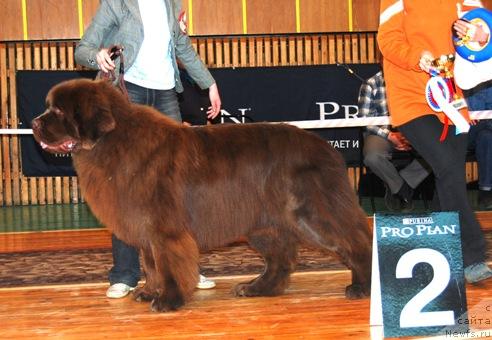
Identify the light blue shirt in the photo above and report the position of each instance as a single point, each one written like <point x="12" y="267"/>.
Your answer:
<point x="119" y="22"/>
<point x="153" y="66"/>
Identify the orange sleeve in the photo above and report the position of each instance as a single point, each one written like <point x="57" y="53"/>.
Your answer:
<point x="392" y="39"/>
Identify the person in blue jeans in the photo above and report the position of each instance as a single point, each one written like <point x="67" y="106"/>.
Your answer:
<point x="153" y="36"/>
<point x="480" y="140"/>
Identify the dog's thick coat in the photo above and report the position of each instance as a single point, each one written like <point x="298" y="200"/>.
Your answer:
<point x="171" y="190"/>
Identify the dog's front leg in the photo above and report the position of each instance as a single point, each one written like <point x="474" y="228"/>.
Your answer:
<point x="176" y="263"/>
<point x="149" y="291"/>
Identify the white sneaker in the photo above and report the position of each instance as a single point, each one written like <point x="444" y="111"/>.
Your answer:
<point x="205" y="283"/>
<point x="118" y="290"/>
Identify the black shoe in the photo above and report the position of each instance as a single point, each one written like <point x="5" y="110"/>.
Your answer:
<point x="406" y="196"/>
<point x="406" y="205"/>
<point x="392" y="201"/>
<point x="485" y="199"/>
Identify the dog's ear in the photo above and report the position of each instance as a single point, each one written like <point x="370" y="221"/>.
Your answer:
<point x="94" y="114"/>
<point x="103" y="109"/>
<point x="99" y="124"/>
<point x="104" y="121"/>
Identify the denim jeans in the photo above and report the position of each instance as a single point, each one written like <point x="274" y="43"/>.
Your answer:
<point x="126" y="263"/>
<point x="165" y="101"/>
<point x="480" y="135"/>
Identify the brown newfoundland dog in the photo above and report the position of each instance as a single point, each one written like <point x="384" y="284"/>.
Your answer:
<point x="172" y="191"/>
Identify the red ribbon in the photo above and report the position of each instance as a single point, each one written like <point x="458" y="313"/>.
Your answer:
<point x="444" y="129"/>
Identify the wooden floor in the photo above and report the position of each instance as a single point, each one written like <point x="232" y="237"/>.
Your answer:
<point x="313" y="307"/>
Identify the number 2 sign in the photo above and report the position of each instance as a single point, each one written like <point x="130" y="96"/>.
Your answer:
<point x="417" y="282"/>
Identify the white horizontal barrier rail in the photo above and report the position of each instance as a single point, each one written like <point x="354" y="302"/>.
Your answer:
<point x="339" y="123"/>
<point x="310" y="124"/>
<point x="15" y="132"/>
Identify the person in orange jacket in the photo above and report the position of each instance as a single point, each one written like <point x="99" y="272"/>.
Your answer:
<point x="412" y="34"/>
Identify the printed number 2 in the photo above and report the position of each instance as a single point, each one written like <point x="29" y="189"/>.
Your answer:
<point x="412" y="315"/>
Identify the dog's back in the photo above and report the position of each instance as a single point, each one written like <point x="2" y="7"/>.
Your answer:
<point x="257" y="174"/>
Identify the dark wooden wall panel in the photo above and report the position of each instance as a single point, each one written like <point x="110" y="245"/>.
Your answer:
<point x="324" y="15"/>
<point x="271" y="16"/>
<point x="52" y="18"/>
<point x="212" y="17"/>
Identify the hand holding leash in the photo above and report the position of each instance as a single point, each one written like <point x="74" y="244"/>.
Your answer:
<point x="104" y="60"/>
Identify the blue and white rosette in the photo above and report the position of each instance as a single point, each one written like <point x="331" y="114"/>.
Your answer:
<point x="440" y="99"/>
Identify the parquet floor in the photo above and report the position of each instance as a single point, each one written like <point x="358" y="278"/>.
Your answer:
<point x="312" y="308"/>
<point x="75" y="307"/>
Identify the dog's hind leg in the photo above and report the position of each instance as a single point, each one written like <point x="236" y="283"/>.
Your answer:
<point x="176" y="262"/>
<point x="279" y="251"/>
<point x="357" y="256"/>
<point x="330" y="218"/>
<point x="352" y="246"/>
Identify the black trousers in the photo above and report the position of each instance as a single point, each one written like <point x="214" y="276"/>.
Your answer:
<point x="447" y="160"/>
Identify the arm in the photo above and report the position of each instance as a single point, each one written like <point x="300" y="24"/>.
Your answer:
<point x="86" y="52"/>
<point x="199" y="73"/>
<point x="192" y="62"/>
<point x="186" y="54"/>
<point x="391" y="37"/>
<point x="197" y="69"/>
<point x="365" y="104"/>
<point x="365" y="101"/>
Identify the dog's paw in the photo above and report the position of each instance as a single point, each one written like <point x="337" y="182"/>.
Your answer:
<point x="142" y="295"/>
<point x="244" y="289"/>
<point x="256" y="288"/>
<point x="160" y="304"/>
<point x="357" y="291"/>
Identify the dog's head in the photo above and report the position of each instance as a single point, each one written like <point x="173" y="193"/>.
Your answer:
<point x="78" y="114"/>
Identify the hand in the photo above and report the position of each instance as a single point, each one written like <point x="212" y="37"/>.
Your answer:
<point x="214" y="109"/>
<point x="104" y="61"/>
<point x="400" y="142"/>
<point x="473" y="32"/>
<point x="425" y="62"/>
